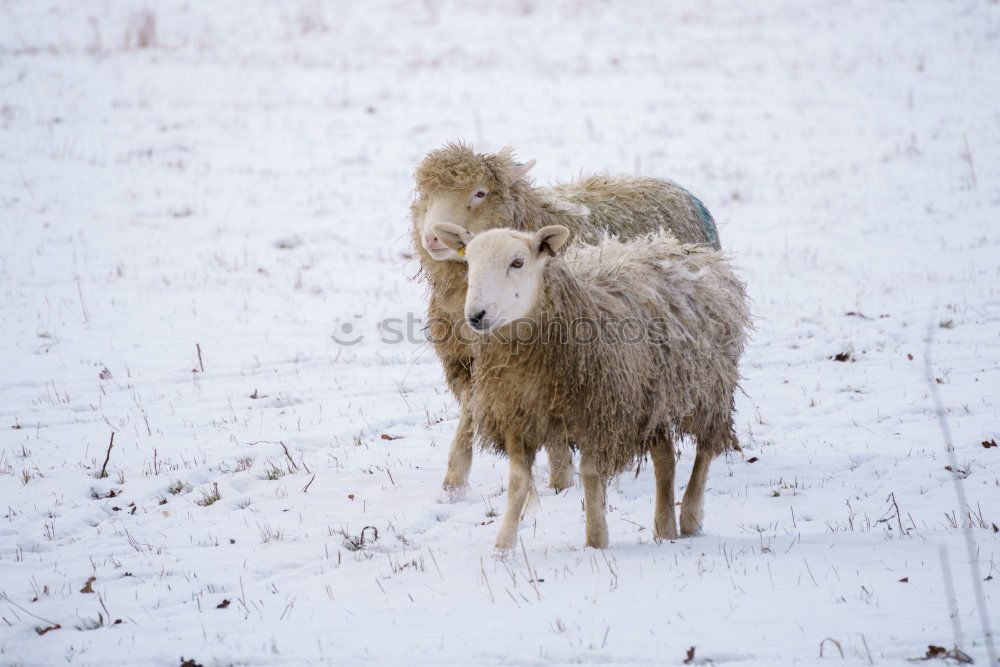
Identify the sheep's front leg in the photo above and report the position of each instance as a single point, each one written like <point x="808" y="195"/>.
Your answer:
<point x="560" y="466"/>
<point x="518" y="489"/>
<point x="664" y="460"/>
<point x="693" y="504"/>
<point x="460" y="455"/>
<point x="594" y="497"/>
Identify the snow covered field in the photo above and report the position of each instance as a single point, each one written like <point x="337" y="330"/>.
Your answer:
<point x="195" y="196"/>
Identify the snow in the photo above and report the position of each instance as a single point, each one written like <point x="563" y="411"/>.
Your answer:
<point x="241" y="184"/>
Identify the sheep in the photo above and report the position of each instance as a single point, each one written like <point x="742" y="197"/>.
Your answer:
<point x="484" y="191"/>
<point x="620" y="347"/>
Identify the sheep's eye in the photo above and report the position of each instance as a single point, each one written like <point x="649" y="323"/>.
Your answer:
<point x="480" y="194"/>
<point x="517" y="263"/>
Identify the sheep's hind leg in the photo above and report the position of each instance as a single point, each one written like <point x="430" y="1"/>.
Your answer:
<point x="518" y="490"/>
<point x="594" y="495"/>
<point x="456" y="479"/>
<point x="693" y="504"/>
<point x="560" y="465"/>
<point x="664" y="460"/>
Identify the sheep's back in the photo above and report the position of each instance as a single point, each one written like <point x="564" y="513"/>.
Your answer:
<point x="630" y="206"/>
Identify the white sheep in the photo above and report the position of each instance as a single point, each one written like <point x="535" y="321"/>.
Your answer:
<point x="665" y="326"/>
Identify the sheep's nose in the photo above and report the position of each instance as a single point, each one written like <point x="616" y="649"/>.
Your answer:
<point x="476" y="321"/>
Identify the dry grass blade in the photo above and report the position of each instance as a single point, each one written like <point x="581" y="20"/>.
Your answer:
<point x="107" y="457"/>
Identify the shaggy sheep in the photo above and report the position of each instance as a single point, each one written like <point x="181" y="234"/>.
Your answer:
<point x="620" y="347"/>
<point x="486" y="191"/>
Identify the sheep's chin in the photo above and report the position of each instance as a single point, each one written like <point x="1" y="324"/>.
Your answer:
<point x="491" y="327"/>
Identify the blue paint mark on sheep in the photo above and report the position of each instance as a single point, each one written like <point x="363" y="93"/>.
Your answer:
<point x="707" y="221"/>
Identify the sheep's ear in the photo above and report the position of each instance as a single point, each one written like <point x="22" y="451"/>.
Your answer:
<point x="521" y="170"/>
<point x="453" y="236"/>
<point x="551" y="239"/>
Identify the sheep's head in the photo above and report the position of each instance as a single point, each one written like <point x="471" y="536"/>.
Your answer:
<point x="505" y="270"/>
<point x="464" y="188"/>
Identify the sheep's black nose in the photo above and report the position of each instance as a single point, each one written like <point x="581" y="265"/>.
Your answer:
<point x="476" y="321"/>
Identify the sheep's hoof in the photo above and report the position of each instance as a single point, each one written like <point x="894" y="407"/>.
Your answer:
<point x="454" y="479"/>
<point x="505" y="548"/>
<point x="692" y="530"/>
<point x="670" y="533"/>
<point x="503" y="554"/>
<point x="453" y="492"/>
<point x="691" y="521"/>
<point x="598" y="541"/>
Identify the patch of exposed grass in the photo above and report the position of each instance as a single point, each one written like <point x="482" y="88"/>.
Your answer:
<point x="272" y="472"/>
<point x="209" y="497"/>
<point x="178" y="486"/>
<point x="243" y="464"/>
